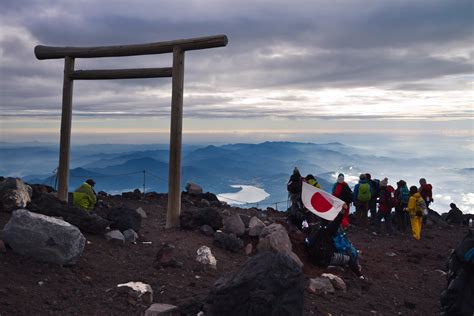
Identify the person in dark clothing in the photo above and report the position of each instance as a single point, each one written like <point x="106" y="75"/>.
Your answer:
<point x="375" y="190"/>
<point x="385" y="208"/>
<point x="454" y="215"/>
<point x="321" y="248"/>
<point x="342" y="191"/>
<point x="458" y="297"/>
<point x="402" y="219"/>
<point x="294" y="187"/>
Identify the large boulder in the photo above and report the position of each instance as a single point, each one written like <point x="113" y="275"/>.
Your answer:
<point x="193" y="188"/>
<point x="14" y="194"/>
<point x="275" y="238"/>
<point x="43" y="238"/>
<point x="233" y="224"/>
<point x="123" y="218"/>
<point x="228" y="241"/>
<point x="255" y="226"/>
<point x="48" y="204"/>
<point x="191" y="219"/>
<point x="267" y="284"/>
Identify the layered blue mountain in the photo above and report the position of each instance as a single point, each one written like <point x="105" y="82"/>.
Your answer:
<point x="268" y="165"/>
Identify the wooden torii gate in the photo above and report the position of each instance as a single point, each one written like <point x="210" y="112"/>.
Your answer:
<point x="177" y="47"/>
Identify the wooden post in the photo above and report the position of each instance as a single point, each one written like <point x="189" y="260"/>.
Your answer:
<point x="174" y="180"/>
<point x="65" y="141"/>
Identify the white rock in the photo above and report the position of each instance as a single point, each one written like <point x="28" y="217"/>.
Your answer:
<point x="141" y="212"/>
<point x="115" y="236"/>
<point x="205" y="256"/>
<point x="162" y="310"/>
<point x="321" y="285"/>
<point x="139" y="290"/>
<point x="336" y="281"/>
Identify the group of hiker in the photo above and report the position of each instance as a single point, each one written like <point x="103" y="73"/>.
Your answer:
<point x="372" y="196"/>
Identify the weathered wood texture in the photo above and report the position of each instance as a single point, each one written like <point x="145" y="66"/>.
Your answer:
<point x="174" y="191"/>
<point x="65" y="140"/>
<point x="99" y="74"/>
<point x="50" y="52"/>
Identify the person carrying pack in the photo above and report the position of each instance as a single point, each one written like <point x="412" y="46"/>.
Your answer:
<point x="322" y="251"/>
<point x="342" y="191"/>
<point x="401" y="217"/>
<point x="294" y="187"/>
<point x="386" y="202"/>
<point x="457" y="298"/>
<point x="415" y="211"/>
<point x="362" y="196"/>
<point x="374" y="194"/>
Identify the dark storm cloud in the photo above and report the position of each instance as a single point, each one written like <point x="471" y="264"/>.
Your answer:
<point x="273" y="45"/>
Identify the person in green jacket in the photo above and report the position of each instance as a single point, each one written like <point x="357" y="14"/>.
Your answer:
<point x="84" y="197"/>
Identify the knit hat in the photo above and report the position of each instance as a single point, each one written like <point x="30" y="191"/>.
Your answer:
<point x="384" y="182"/>
<point x="340" y="178"/>
<point x="90" y="182"/>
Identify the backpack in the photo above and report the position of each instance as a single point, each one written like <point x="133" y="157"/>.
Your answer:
<point x="375" y="187"/>
<point x="347" y="195"/>
<point x="294" y="185"/>
<point x="404" y="195"/>
<point x="343" y="245"/>
<point x="364" y="194"/>
<point x="421" y="207"/>
<point x="391" y="198"/>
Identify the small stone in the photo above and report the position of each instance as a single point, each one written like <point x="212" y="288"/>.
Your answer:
<point x="204" y="203"/>
<point x="409" y="305"/>
<point x="159" y="309"/>
<point x="207" y="230"/>
<point x="40" y="283"/>
<point x="3" y="248"/>
<point x="138" y="290"/>
<point x="391" y="254"/>
<point x="336" y="281"/>
<point x="165" y="256"/>
<point x="443" y="273"/>
<point x="248" y="249"/>
<point x="141" y="212"/>
<point x="205" y="256"/>
<point x="115" y="236"/>
<point x="320" y="285"/>
<point x="130" y="235"/>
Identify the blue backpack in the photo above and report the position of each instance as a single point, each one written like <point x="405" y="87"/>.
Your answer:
<point x="343" y="245"/>
<point x="404" y="195"/>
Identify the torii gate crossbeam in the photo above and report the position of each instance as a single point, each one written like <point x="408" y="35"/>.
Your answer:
<point x="178" y="48"/>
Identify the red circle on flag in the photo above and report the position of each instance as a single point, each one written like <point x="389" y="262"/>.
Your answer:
<point x="319" y="202"/>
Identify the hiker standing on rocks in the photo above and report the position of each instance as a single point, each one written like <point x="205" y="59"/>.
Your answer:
<point x="362" y="196"/>
<point x="85" y="197"/>
<point x="403" y="195"/>
<point x="342" y="191"/>
<point x="386" y="202"/>
<point x="426" y="192"/>
<point x="374" y="191"/>
<point x="415" y="211"/>
<point x="294" y="187"/>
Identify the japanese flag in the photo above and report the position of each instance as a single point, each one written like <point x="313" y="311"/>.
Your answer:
<point x="320" y="202"/>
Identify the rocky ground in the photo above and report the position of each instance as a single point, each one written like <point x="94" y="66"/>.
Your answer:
<point x="404" y="277"/>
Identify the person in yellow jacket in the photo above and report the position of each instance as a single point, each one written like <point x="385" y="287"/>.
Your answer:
<point x="415" y="212"/>
<point x="310" y="179"/>
<point x="84" y="196"/>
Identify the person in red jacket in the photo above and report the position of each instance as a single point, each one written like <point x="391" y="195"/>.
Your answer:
<point x="342" y="191"/>
<point x="426" y="191"/>
<point x="386" y="203"/>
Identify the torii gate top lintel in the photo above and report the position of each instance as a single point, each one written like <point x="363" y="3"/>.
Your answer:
<point x="51" y="52"/>
<point x="178" y="48"/>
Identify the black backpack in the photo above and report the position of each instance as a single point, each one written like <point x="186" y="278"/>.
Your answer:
<point x="294" y="185"/>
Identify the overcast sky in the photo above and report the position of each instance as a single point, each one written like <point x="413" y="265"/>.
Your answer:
<point x="290" y="66"/>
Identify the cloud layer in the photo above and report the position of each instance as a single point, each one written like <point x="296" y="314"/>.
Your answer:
<point x="311" y="59"/>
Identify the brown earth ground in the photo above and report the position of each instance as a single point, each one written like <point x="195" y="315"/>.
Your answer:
<point x="402" y="273"/>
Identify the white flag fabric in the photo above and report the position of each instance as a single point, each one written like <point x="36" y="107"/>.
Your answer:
<point x="321" y="203"/>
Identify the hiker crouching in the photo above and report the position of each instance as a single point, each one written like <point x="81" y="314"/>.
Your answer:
<point x="323" y="250"/>
<point x="84" y="197"/>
